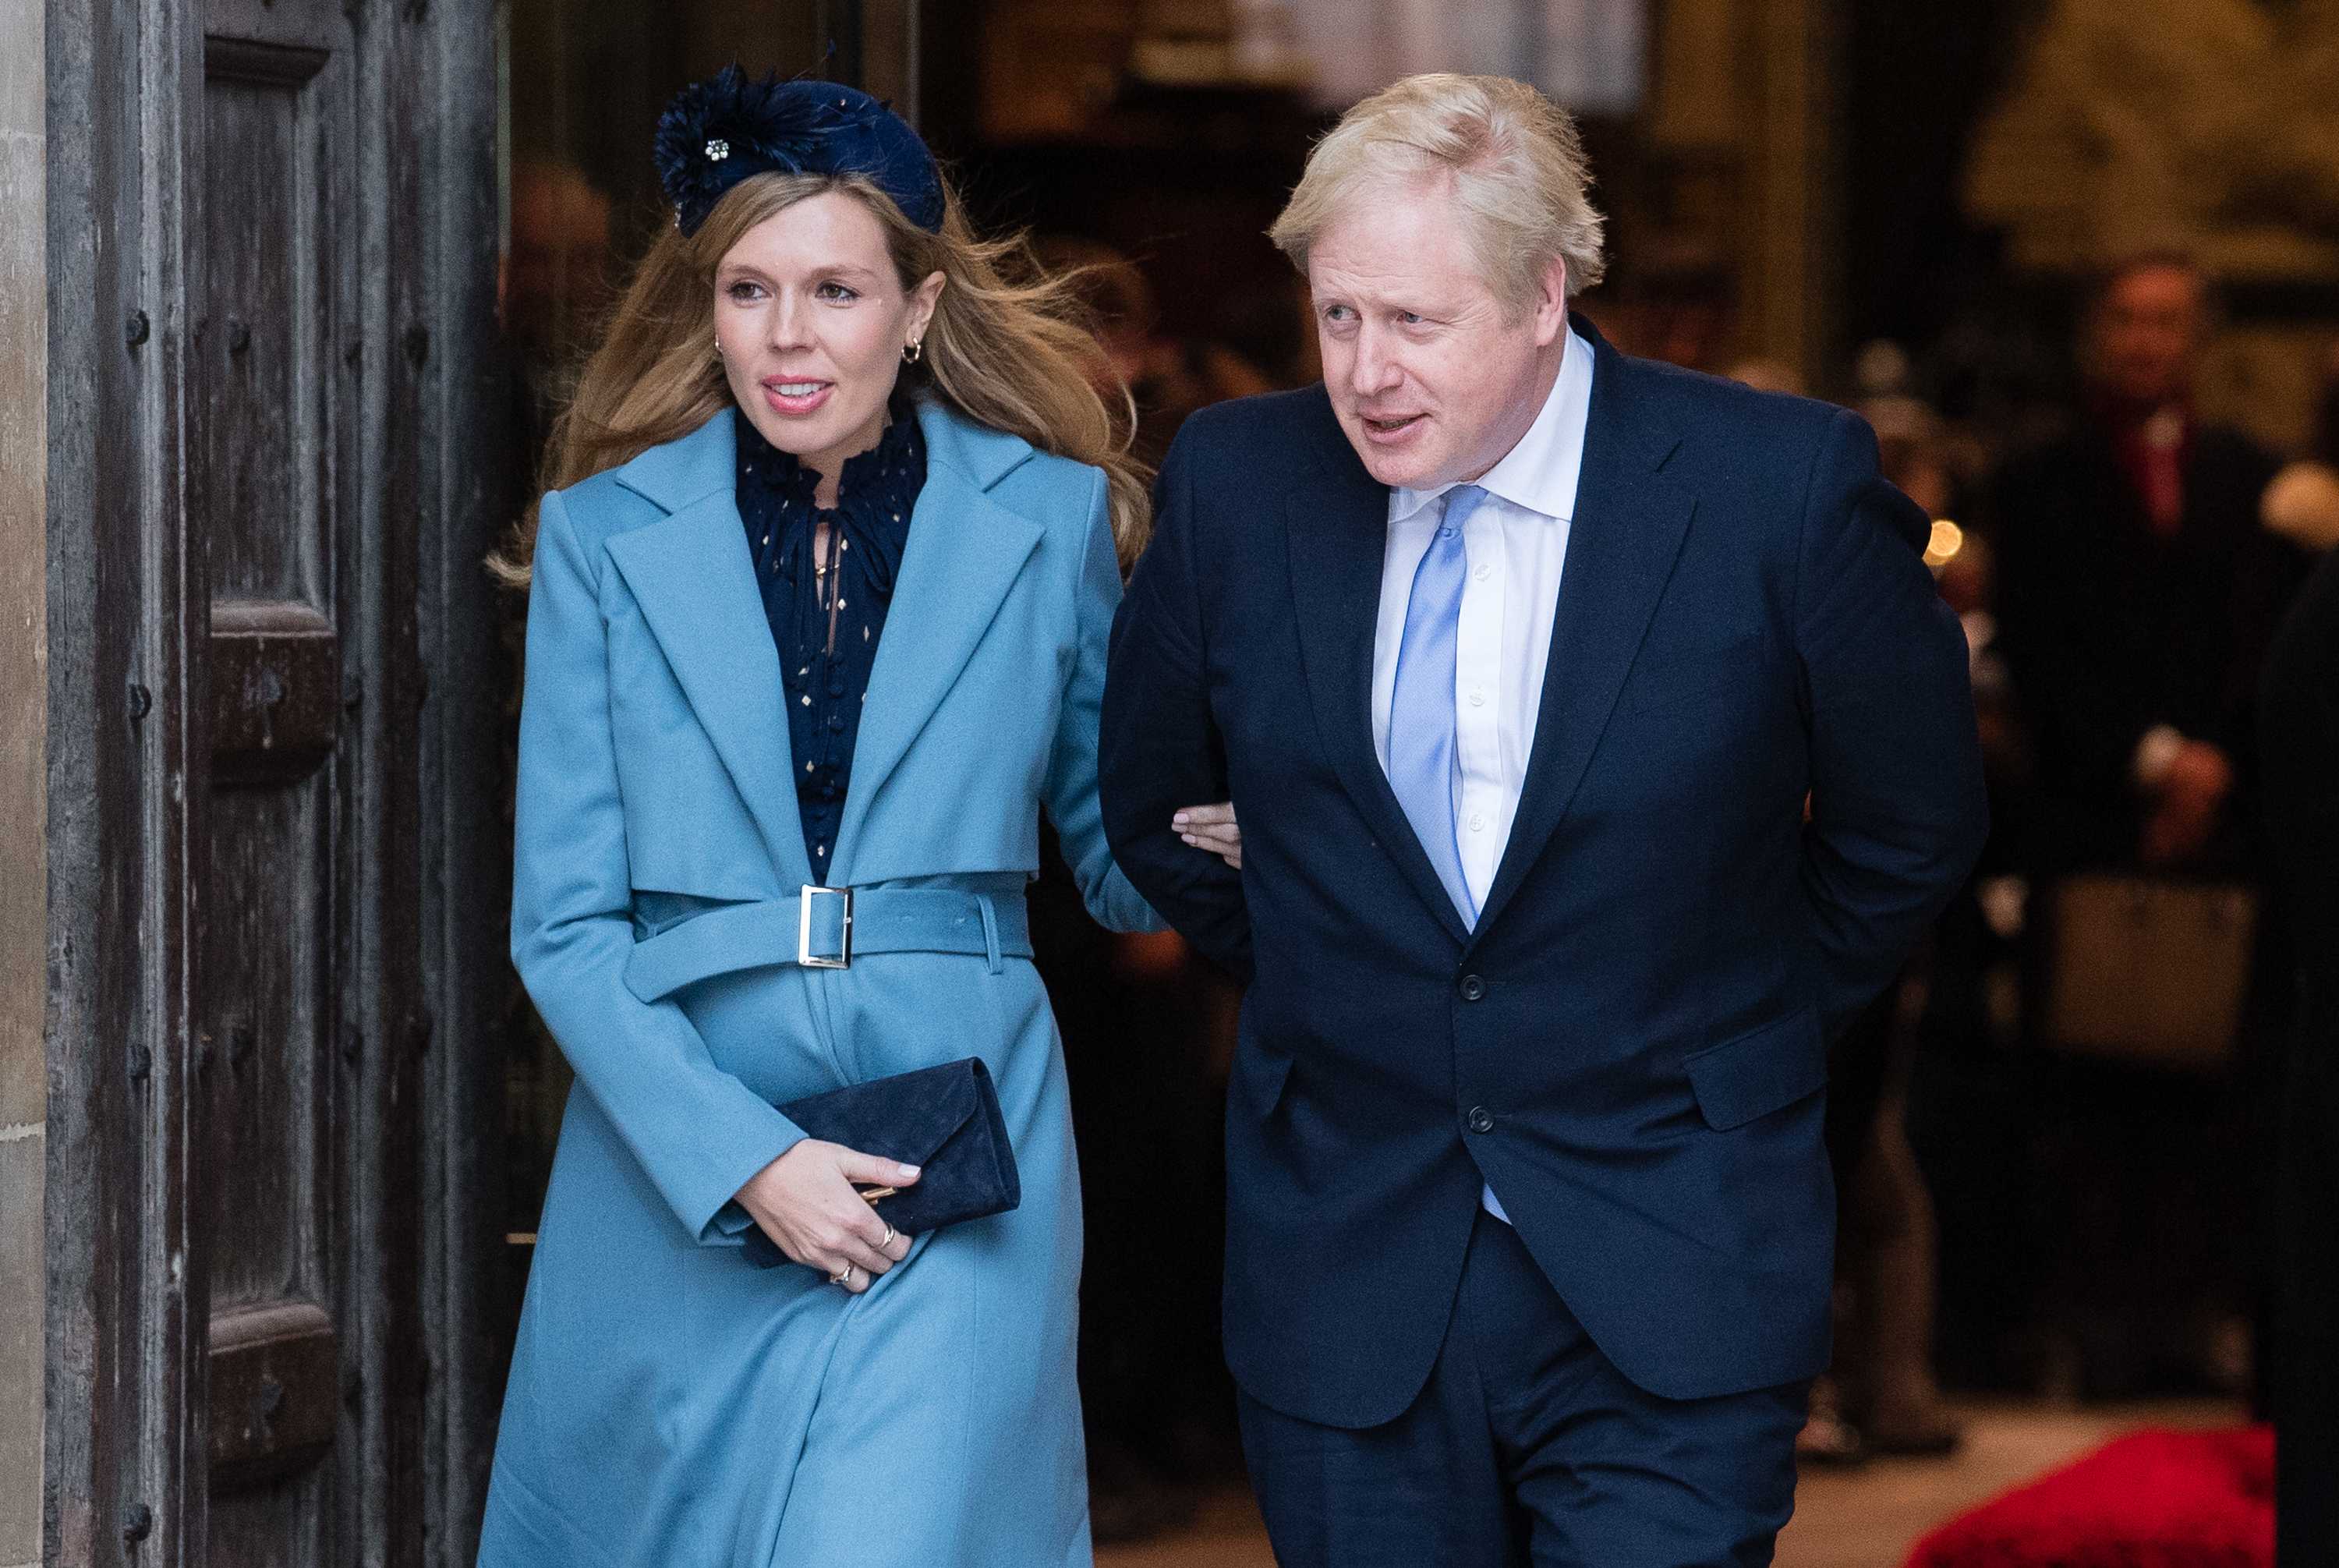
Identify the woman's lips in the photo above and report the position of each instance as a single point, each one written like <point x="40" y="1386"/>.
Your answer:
<point x="796" y="399"/>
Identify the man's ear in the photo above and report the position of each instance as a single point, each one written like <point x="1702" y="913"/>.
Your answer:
<point x="1551" y="303"/>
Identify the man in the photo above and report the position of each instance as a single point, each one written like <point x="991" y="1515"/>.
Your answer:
<point x="1519" y="659"/>
<point x="2139" y="592"/>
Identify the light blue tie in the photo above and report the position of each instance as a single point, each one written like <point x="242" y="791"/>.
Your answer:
<point x="1422" y="769"/>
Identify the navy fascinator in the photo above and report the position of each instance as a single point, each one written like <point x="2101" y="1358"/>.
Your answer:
<point x="719" y="131"/>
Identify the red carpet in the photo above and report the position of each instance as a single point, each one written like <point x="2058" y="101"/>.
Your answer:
<point x="2150" y="1500"/>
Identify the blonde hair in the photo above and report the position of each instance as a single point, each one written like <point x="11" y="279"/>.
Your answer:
<point x="1515" y="160"/>
<point x="1006" y="348"/>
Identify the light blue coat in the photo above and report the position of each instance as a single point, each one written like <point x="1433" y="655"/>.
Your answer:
<point x="669" y="1406"/>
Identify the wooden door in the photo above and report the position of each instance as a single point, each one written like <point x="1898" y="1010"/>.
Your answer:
<point x="306" y="943"/>
<point x="277" y="849"/>
<point x="275" y="855"/>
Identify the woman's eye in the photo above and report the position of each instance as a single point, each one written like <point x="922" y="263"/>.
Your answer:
<point x="745" y="292"/>
<point x="836" y="292"/>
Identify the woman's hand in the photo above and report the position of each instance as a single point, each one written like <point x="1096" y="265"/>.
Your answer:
<point x="806" y="1202"/>
<point x="1212" y="828"/>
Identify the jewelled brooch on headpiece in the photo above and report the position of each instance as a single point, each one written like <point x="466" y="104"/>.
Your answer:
<point x="721" y="131"/>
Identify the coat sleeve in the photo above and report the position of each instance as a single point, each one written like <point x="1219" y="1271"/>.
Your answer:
<point x="697" y="1130"/>
<point x="1898" y="807"/>
<point x="1161" y="748"/>
<point x="1071" y="785"/>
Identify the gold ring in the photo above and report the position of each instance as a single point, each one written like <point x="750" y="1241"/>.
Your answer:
<point x="890" y="1234"/>
<point x="842" y="1276"/>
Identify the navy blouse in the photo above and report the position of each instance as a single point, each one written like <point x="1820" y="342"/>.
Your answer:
<point x="827" y="641"/>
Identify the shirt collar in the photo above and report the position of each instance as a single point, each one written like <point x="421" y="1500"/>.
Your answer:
<point x="1540" y="474"/>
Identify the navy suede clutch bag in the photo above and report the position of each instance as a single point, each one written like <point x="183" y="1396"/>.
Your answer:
<point x="943" y="1120"/>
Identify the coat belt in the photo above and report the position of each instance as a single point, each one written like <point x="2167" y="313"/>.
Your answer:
<point x="774" y="931"/>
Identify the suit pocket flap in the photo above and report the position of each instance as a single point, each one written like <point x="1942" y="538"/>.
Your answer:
<point x="1756" y="1073"/>
<point x="1263" y="1073"/>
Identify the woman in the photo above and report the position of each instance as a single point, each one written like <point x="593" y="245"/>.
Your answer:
<point x="820" y="600"/>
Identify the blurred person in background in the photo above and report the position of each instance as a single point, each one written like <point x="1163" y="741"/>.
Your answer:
<point x="1168" y="378"/>
<point x="1147" y="1028"/>
<point x="1881" y="1396"/>
<point x="2299" y="731"/>
<point x="2139" y="592"/>
<point x="2300" y="736"/>
<point x="1680" y="305"/>
<point x="1957" y="1073"/>
<point x="554" y="285"/>
<point x="2302" y="504"/>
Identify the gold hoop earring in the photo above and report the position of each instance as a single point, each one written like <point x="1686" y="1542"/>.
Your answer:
<point x="911" y="353"/>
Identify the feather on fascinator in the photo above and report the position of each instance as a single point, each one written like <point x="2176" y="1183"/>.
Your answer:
<point x="719" y="131"/>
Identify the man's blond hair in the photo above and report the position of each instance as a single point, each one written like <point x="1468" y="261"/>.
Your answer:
<point x="1510" y="156"/>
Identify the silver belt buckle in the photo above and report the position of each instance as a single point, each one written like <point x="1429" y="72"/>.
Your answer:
<point x="804" y="955"/>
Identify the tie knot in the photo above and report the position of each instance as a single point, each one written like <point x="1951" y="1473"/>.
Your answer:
<point x="1460" y="502"/>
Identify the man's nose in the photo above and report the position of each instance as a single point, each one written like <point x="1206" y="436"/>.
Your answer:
<point x="1375" y="369"/>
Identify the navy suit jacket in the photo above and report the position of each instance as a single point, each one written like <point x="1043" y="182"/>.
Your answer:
<point x="1631" y="1045"/>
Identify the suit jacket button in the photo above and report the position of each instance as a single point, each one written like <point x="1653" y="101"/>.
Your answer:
<point x="1481" y="1120"/>
<point x="1472" y="987"/>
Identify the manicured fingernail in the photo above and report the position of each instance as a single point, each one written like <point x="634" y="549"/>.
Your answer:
<point x="1180" y="820"/>
<point x="909" y="1173"/>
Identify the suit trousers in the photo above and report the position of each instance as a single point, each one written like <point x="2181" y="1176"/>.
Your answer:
<point x="1527" y="1447"/>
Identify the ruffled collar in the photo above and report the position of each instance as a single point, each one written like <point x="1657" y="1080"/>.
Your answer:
<point x="876" y="496"/>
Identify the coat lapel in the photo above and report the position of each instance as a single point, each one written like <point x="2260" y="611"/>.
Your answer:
<point x="1337" y="527"/>
<point x="1621" y="545"/>
<point x="964" y="552"/>
<point x="692" y="577"/>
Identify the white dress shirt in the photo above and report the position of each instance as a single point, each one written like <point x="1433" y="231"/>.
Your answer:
<point x="1515" y="542"/>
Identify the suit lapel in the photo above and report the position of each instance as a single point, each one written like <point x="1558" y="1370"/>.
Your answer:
<point x="1337" y="526"/>
<point x="1621" y="545"/>
<point x="964" y="552"/>
<point x="693" y="579"/>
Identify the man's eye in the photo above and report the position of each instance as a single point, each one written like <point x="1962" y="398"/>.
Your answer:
<point x="1409" y="317"/>
<point x="1336" y="312"/>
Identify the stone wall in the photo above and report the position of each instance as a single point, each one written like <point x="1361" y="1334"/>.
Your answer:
<point x="2205" y="125"/>
<point x="2133" y="124"/>
<point x="24" y="708"/>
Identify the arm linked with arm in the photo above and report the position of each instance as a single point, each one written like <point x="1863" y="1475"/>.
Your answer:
<point x="1072" y="784"/>
<point x="696" y="1130"/>
<point x="1159" y="747"/>
<point x="1897" y="808"/>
